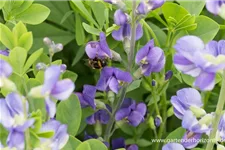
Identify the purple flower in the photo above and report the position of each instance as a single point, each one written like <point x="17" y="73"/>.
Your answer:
<point x="112" y="79"/>
<point x="60" y="90"/>
<point x="185" y="98"/>
<point x="216" y="7"/>
<point x="120" y="18"/>
<point x="14" y="120"/>
<point x="200" y="61"/>
<point x="95" y="49"/>
<point x="120" y="143"/>
<point x="4" y="52"/>
<point x="87" y="97"/>
<point x="124" y="32"/>
<point x="221" y="128"/>
<point x="60" y="138"/>
<point x="168" y="75"/>
<point x="5" y="69"/>
<point x="101" y="115"/>
<point x="173" y="146"/>
<point x="195" y="128"/>
<point x="146" y="6"/>
<point x="150" y="58"/>
<point x="157" y="121"/>
<point x="132" y="112"/>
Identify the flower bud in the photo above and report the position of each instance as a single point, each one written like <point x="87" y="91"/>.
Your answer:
<point x="206" y="120"/>
<point x="157" y="121"/>
<point x="41" y="66"/>
<point x="63" y="68"/>
<point x="120" y="18"/>
<point x="100" y="105"/>
<point x="168" y="75"/>
<point x="151" y="123"/>
<point x="7" y="84"/>
<point x="111" y="97"/>
<point x="47" y="41"/>
<point x="198" y="112"/>
<point x="98" y="128"/>
<point x="116" y="56"/>
<point x="153" y="83"/>
<point x="170" y="112"/>
<point x="220" y="147"/>
<point x="58" y="47"/>
<point x="35" y="92"/>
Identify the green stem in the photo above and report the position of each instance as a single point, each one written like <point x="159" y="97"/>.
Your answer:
<point x="222" y="27"/>
<point x="218" y="113"/>
<point x="112" y="120"/>
<point x="151" y="32"/>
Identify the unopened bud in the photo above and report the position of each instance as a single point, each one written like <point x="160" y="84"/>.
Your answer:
<point x="100" y="104"/>
<point x="138" y="73"/>
<point x="35" y="92"/>
<point x="153" y="82"/>
<point x="58" y="47"/>
<point x="41" y="66"/>
<point x="47" y="41"/>
<point x="111" y="97"/>
<point x="206" y="120"/>
<point x="158" y="121"/>
<point x="116" y="56"/>
<point x="151" y="123"/>
<point x="7" y="84"/>
<point x="168" y="75"/>
<point x="63" y="68"/>
<point x="98" y="128"/>
<point x="170" y="112"/>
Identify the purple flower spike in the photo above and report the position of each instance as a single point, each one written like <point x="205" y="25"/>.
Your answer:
<point x="124" y="32"/>
<point x="60" y="138"/>
<point x="199" y="60"/>
<point x="13" y="119"/>
<point x="173" y="146"/>
<point x="5" y="69"/>
<point x="184" y="99"/>
<point x="215" y="6"/>
<point x="95" y="49"/>
<point x="195" y="129"/>
<point x="120" y="18"/>
<point x="150" y="58"/>
<point x="60" y="90"/>
<point x="132" y="112"/>
<point x="4" y="52"/>
<point x="145" y="7"/>
<point x="101" y="115"/>
<point x="120" y="143"/>
<point x="87" y="96"/>
<point x="112" y="79"/>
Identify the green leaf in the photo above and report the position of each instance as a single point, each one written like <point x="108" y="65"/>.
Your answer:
<point x="66" y="16"/>
<point x="3" y="134"/>
<point x="47" y="134"/>
<point x="193" y="7"/>
<point x="143" y="143"/>
<point x="34" y="139"/>
<point x="125" y="127"/>
<point x="80" y="36"/>
<point x="32" y="59"/>
<point x="80" y="53"/>
<point x="2" y="3"/>
<point x="92" y="144"/>
<point x="65" y="116"/>
<point x="35" y="14"/>
<point x="69" y="74"/>
<point x="26" y="41"/>
<point x="25" y="5"/>
<point x="91" y="29"/>
<point x="176" y="134"/>
<point x="19" y="30"/>
<point x="134" y="85"/>
<point x="206" y="29"/>
<point x="84" y="12"/>
<point x="72" y="144"/>
<point x="189" y="80"/>
<point x="98" y="9"/>
<point x="6" y="37"/>
<point x="37" y="116"/>
<point x="17" y="58"/>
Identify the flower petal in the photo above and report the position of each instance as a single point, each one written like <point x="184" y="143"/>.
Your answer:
<point x="92" y="48"/>
<point x="63" y="89"/>
<point x="5" y="118"/>
<point x="118" y="34"/>
<point x="122" y="75"/>
<point x="122" y="113"/>
<point x="139" y="32"/>
<point x="143" y="52"/>
<point x="120" y="17"/>
<point x="16" y="139"/>
<point x="15" y="103"/>
<point x="141" y="108"/>
<point x="118" y="143"/>
<point x="221" y="47"/>
<point x="135" y="118"/>
<point x="113" y="85"/>
<point x="213" y="6"/>
<point x="191" y="142"/>
<point x="205" y="81"/>
<point x="104" y="46"/>
<point x="50" y="107"/>
<point x="173" y="146"/>
<point x="5" y="68"/>
<point x="91" y="119"/>
<point x="132" y="147"/>
<point x="51" y="77"/>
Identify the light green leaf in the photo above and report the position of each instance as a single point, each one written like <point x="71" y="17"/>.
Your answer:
<point x="17" y="58"/>
<point x="19" y="30"/>
<point x="35" y="14"/>
<point x="6" y="37"/>
<point x="72" y="144"/>
<point x="206" y="29"/>
<point x="134" y="85"/>
<point x="71" y="75"/>
<point x="91" y="29"/>
<point x="92" y="144"/>
<point x="84" y="146"/>
<point x="189" y="80"/>
<point x="79" y="55"/>
<point x="32" y="59"/>
<point x="26" y="41"/>
<point x="98" y="9"/>
<point x="66" y="16"/>
<point x="47" y="134"/>
<point x="25" y="5"/>
<point x="143" y="143"/>
<point x="34" y="139"/>
<point x="176" y="134"/>
<point x="193" y="7"/>
<point x="84" y="12"/>
<point x="65" y="116"/>
<point x="80" y="35"/>
<point x="2" y="3"/>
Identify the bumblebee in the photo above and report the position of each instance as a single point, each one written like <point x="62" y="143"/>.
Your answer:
<point x="97" y="63"/>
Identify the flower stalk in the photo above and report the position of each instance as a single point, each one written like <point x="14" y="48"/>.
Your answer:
<point x="218" y="113"/>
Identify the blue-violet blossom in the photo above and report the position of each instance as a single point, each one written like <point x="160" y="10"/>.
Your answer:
<point x="120" y="143"/>
<point x="217" y="7"/>
<point x="146" y="6"/>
